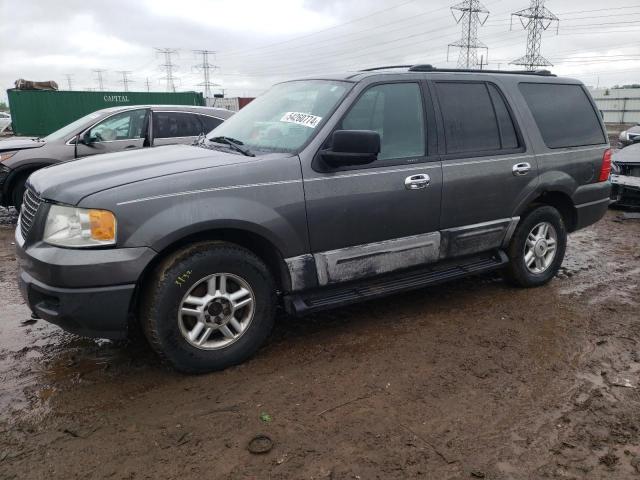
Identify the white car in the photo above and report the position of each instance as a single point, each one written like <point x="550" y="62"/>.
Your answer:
<point x="5" y="121"/>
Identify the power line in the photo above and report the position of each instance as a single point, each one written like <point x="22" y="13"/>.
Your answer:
<point x="205" y="67"/>
<point x="535" y="19"/>
<point x="348" y="22"/>
<point x="99" y="73"/>
<point x="169" y="67"/>
<point x="469" y="17"/>
<point x="125" y="79"/>
<point x="69" y="82"/>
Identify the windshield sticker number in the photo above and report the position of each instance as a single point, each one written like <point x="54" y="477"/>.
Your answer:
<point x="304" y="119"/>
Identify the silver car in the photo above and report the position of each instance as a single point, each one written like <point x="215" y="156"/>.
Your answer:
<point x="5" y="121"/>
<point x="105" y="131"/>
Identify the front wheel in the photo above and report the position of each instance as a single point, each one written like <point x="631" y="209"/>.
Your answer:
<point x="208" y="307"/>
<point x="537" y="248"/>
<point x="17" y="194"/>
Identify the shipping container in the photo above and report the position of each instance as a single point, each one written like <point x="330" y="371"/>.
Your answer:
<point x="40" y="112"/>
<point x="230" y="103"/>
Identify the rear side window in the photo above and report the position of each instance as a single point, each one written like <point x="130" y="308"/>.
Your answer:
<point x="476" y="118"/>
<point x="564" y="114"/>
<point x="176" y="124"/>
<point x="209" y="123"/>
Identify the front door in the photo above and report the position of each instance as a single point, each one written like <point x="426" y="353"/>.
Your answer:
<point x="383" y="216"/>
<point x="487" y="171"/>
<point x="121" y="131"/>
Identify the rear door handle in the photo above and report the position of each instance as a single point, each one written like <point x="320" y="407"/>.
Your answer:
<point x="520" y="169"/>
<point x="416" y="182"/>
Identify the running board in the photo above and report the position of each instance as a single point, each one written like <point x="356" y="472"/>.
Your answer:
<point x="345" y="294"/>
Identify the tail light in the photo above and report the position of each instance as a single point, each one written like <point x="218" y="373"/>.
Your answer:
<point x="605" y="170"/>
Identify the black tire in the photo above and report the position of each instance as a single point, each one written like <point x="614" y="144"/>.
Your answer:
<point x="517" y="272"/>
<point x="176" y="276"/>
<point x="17" y="193"/>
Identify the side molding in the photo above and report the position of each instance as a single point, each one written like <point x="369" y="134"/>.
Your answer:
<point x="360" y="261"/>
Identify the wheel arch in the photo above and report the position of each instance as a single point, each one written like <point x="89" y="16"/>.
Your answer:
<point x="558" y="199"/>
<point x="252" y="241"/>
<point x="23" y="171"/>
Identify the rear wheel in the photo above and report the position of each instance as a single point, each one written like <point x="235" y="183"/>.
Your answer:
<point x="537" y="248"/>
<point x="209" y="307"/>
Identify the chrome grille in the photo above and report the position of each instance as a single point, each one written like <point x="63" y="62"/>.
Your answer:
<point x="30" y="204"/>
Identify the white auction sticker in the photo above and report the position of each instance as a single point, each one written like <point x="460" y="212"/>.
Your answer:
<point x="305" y="119"/>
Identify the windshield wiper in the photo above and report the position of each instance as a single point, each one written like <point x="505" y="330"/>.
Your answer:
<point x="234" y="144"/>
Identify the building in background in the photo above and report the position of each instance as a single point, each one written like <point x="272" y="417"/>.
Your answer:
<point x="620" y="106"/>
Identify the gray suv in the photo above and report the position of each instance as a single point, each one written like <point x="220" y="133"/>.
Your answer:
<point x="104" y="131"/>
<point x="320" y="193"/>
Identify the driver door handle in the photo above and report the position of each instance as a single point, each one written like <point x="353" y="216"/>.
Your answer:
<point x="520" y="169"/>
<point x="416" y="182"/>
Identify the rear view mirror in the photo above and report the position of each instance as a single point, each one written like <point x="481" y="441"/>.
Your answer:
<point x="352" y="147"/>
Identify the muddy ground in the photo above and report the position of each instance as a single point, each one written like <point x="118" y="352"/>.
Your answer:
<point x="473" y="379"/>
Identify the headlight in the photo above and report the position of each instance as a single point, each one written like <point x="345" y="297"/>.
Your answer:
<point x="624" y="136"/>
<point x="79" y="227"/>
<point x="6" y="155"/>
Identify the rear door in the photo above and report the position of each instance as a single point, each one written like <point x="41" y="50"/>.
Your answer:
<point x="486" y="167"/>
<point x="376" y="218"/>
<point x="170" y="127"/>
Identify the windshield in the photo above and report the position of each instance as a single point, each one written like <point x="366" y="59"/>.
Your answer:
<point x="73" y="127"/>
<point x="284" y="118"/>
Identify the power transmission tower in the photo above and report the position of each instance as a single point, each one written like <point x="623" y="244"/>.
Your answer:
<point x="148" y="84"/>
<point x="169" y="67"/>
<point x="69" y="83"/>
<point x="99" y="73"/>
<point x="125" y="79"/>
<point x="535" y="19"/>
<point x="206" y="68"/>
<point x="470" y="14"/>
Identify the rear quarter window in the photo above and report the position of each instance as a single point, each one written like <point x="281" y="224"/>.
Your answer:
<point x="564" y="114"/>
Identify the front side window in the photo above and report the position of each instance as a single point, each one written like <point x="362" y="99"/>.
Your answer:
<point x="394" y="111"/>
<point x="564" y="114"/>
<point x="286" y="117"/>
<point x="122" y="126"/>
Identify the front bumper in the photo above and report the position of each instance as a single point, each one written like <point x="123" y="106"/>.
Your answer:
<point x="87" y="292"/>
<point x="91" y="312"/>
<point x="625" y="190"/>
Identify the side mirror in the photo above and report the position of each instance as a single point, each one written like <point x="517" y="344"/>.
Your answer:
<point x="85" y="138"/>
<point x="352" y="147"/>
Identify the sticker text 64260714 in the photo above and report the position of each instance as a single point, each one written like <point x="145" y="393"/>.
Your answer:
<point x="305" y="119"/>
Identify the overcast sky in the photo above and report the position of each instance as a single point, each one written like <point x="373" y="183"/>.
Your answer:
<point x="260" y="42"/>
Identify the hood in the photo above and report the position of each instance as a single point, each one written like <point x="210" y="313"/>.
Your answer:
<point x="71" y="181"/>
<point x="20" y="143"/>
<point x="630" y="154"/>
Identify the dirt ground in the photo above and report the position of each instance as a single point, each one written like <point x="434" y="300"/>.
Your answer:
<point x="472" y="379"/>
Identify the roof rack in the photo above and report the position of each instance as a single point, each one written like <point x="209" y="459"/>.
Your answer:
<point x="431" y="68"/>
<point x="389" y="67"/>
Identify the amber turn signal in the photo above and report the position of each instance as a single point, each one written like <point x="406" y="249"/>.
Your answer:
<point x="103" y="225"/>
